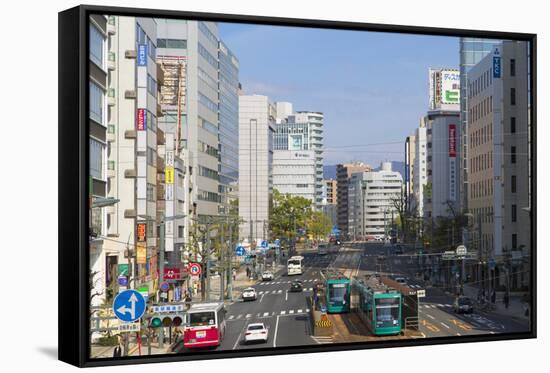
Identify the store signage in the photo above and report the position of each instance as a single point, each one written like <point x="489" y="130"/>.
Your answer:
<point x="142" y="55"/>
<point x="141" y="235"/>
<point x="497" y="66"/>
<point x="141" y="253"/>
<point x="141" y="120"/>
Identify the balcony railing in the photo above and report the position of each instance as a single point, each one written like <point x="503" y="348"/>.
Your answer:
<point x="111" y="61"/>
<point x="111" y="96"/>
<point x="111" y="25"/>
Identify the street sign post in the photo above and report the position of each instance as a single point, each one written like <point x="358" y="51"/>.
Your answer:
<point x="194" y="269"/>
<point x="164" y="286"/>
<point x="421" y="293"/>
<point x="461" y="250"/>
<point x="129" y="306"/>
<point x="240" y="251"/>
<point x="129" y="327"/>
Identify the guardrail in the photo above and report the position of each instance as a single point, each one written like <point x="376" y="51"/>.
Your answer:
<point x="411" y="322"/>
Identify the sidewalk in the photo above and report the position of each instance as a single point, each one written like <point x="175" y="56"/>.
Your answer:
<point x="515" y="310"/>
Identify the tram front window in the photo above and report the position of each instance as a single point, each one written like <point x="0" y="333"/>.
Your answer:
<point x="338" y="294"/>
<point x="387" y="312"/>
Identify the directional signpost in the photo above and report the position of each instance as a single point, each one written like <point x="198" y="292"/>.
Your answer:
<point x="129" y="306"/>
<point x="239" y="251"/>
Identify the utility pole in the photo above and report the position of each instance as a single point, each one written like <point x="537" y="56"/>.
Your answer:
<point x="221" y="259"/>
<point x="207" y="263"/>
<point x="161" y="275"/>
<point x="230" y="266"/>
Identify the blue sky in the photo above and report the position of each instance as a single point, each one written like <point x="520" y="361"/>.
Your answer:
<point x="372" y="87"/>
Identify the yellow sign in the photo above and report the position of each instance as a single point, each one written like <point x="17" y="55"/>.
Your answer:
<point x="169" y="175"/>
<point x="141" y="253"/>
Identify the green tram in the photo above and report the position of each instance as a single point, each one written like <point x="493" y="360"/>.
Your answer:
<point x="379" y="306"/>
<point x="337" y="289"/>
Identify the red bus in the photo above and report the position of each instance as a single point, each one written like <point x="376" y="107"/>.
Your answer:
<point x="204" y="325"/>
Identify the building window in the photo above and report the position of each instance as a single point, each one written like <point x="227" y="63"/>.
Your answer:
<point x="96" y="46"/>
<point x="513" y="186"/>
<point x="172" y="43"/>
<point x="514" y="213"/>
<point x="96" y="103"/>
<point x="512" y="67"/>
<point x="180" y="231"/>
<point x="96" y="159"/>
<point x="514" y="240"/>
<point x="151" y="191"/>
<point x="512" y="96"/>
<point x="513" y="154"/>
<point x="151" y="157"/>
<point x="512" y="124"/>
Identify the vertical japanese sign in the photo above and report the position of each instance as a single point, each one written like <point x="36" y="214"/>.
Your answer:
<point x="452" y="162"/>
<point x="141" y="235"/>
<point x="141" y="253"/>
<point x="141" y="122"/>
<point x="497" y="67"/>
<point x="169" y="175"/>
<point x="142" y="55"/>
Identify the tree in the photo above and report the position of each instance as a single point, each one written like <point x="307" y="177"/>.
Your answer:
<point x="318" y="225"/>
<point x="288" y="212"/>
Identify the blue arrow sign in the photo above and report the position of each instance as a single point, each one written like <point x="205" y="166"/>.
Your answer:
<point x="264" y="244"/>
<point x="277" y="242"/>
<point x="239" y="251"/>
<point x="129" y="305"/>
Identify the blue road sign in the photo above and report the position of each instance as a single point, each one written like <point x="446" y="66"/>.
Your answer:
<point x="264" y="244"/>
<point x="129" y="305"/>
<point x="492" y="263"/>
<point x="165" y="286"/>
<point x="277" y="243"/>
<point x="123" y="281"/>
<point x="239" y="251"/>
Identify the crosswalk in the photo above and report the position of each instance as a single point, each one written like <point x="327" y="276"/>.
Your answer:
<point x="322" y="340"/>
<point x="280" y="291"/>
<point x="435" y="305"/>
<point x="244" y="316"/>
<point x="267" y="283"/>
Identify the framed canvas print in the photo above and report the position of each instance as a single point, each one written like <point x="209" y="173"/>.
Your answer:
<point x="235" y="186"/>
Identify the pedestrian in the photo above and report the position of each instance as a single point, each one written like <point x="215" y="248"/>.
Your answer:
<point x="117" y="352"/>
<point x="493" y="296"/>
<point x="506" y="300"/>
<point x="234" y="274"/>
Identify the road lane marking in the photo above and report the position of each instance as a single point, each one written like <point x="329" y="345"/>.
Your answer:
<point x="286" y="296"/>
<point x="230" y="317"/>
<point x="248" y="315"/>
<point x="445" y="325"/>
<point x="266" y="314"/>
<point x="283" y="312"/>
<point x="239" y="316"/>
<point x="299" y="311"/>
<point x="440" y="305"/>
<point x="291" y="311"/>
<point x="279" y="291"/>
<point x="458" y="334"/>
<point x="275" y="336"/>
<point x="430" y="316"/>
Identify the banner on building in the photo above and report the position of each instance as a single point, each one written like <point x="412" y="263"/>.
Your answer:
<point x="497" y="67"/>
<point x="450" y="86"/>
<point x="141" y="253"/>
<point x="452" y="162"/>
<point x="169" y="192"/>
<point x="141" y="229"/>
<point x="169" y="158"/>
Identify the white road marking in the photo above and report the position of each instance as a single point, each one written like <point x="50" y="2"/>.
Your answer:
<point x="286" y="296"/>
<point x="491" y="332"/>
<point x="248" y="315"/>
<point x="261" y="298"/>
<point x="283" y="312"/>
<point x="299" y="311"/>
<point x="430" y="316"/>
<point x="266" y="314"/>
<point x="291" y="311"/>
<point x="239" y="316"/>
<point x="440" y="305"/>
<point x="458" y="334"/>
<point x="275" y="335"/>
<point x="279" y="291"/>
<point x="231" y="317"/>
<point x="445" y="325"/>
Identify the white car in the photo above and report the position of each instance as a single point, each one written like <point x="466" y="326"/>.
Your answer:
<point x="401" y="280"/>
<point x="267" y="276"/>
<point x="256" y="332"/>
<point x="249" y="294"/>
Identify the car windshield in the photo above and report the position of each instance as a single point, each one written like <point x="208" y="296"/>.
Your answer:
<point x="255" y="327"/>
<point x="294" y="262"/>
<point x="202" y="318"/>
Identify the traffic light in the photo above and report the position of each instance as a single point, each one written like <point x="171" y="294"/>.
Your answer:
<point x="166" y="320"/>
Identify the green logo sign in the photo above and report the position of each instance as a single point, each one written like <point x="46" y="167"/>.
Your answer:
<point x="451" y="96"/>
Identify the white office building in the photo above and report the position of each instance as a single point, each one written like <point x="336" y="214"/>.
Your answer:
<point x="294" y="173"/>
<point x="257" y="117"/>
<point x="372" y="199"/>
<point x="420" y="175"/>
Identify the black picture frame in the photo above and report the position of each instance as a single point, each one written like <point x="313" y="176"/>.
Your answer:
<point x="73" y="152"/>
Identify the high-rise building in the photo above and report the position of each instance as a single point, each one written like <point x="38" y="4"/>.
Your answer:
<point x="133" y="139"/>
<point x="343" y="173"/>
<point x="102" y="259"/>
<point x="331" y="194"/>
<point x="373" y="198"/>
<point x="303" y="130"/>
<point x="294" y="173"/>
<point x="498" y="120"/>
<point x="420" y="175"/>
<point x="410" y="152"/>
<point x="472" y="50"/>
<point x="257" y="117"/>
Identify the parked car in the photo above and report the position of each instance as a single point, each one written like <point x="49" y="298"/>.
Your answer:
<point x="398" y="250"/>
<point x="249" y="294"/>
<point x="256" y="332"/>
<point x="401" y="280"/>
<point x="463" y="305"/>
<point x="267" y="276"/>
<point x="296" y="286"/>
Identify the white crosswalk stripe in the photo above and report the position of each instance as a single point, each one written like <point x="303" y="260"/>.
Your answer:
<point x="299" y="311"/>
<point x="279" y="291"/>
<point x="266" y="314"/>
<point x="261" y="292"/>
<point x="248" y="315"/>
<point x="231" y="317"/>
<point x="239" y="316"/>
<point x="291" y="311"/>
<point x="283" y="312"/>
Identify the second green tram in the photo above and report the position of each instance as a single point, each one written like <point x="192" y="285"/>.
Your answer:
<point x="379" y="306"/>
<point x="337" y="289"/>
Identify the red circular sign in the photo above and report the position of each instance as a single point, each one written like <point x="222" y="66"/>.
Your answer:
<point x="194" y="269"/>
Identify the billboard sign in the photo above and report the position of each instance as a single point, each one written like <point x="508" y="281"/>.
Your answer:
<point x="497" y="66"/>
<point x="450" y="87"/>
<point x="141" y="253"/>
<point x="169" y="175"/>
<point x="141" y="235"/>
